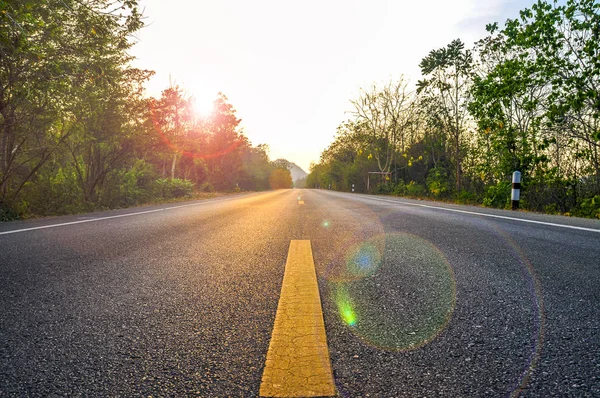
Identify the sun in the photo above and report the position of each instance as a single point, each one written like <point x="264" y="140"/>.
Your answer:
<point x="203" y="107"/>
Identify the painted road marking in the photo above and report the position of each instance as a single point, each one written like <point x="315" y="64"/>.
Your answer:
<point x="489" y="215"/>
<point x="14" y="231"/>
<point x="79" y="222"/>
<point x="300" y="202"/>
<point x="298" y="363"/>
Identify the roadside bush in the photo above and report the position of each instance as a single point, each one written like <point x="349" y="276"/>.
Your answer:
<point x="498" y="195"/>
<point x="7" y="213"/>
<point x="415" y="190"/>
<point x="207" y="187"/>
<point x="129" y="187"/>
<point x="399" y="189"/>
<point x="166" y="188"/>
<point x="55" y="191"/>
<point x="552" y="208"/>
<point x="384" y="189"/>
<point x="589" y="207"/>
<point x="549" y="193"/>
<point x="437" y="182"/>
<point x="467" y="197"/>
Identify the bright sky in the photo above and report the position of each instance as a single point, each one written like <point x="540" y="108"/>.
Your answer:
<point x="291" y="68"/>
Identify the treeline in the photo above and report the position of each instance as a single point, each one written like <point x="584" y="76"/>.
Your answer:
<point x="76" y="132"/>
<point x="526" y="98"/>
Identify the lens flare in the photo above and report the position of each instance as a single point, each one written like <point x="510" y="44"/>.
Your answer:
<point x="344" y="305"/>
<point x="400" y="300"/>
<point x="408" y="297"/>
<point x="538" y="307"/>
<point x="363" y="260"/>
<point x="213" y="154"/>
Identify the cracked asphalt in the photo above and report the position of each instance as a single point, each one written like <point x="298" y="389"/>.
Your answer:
<point x="417" y="301"/>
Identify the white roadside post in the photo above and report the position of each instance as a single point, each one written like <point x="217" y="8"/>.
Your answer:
<point x="352" y="187"/>
<point x="515" y="195"/>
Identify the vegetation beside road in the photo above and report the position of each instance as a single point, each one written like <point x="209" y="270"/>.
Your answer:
<point x="526" y="98"/>
<point x="76" y="132"/>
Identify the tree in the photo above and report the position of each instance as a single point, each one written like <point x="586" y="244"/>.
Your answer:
<point x="280" y="179"/>
<point x="226" y="145"/>
<point x="257" y="168"/>
<point x="445" y="88"/>
<point x="507" y="100"/>
<point x="47" y="50"/>
<point x="105" y="129"/>
<point x="173" y="119"/>
<point x="385" y="115"/>
<point x="564" y="42"/>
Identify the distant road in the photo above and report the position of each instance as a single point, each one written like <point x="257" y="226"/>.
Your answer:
<point x="418" y="298"/>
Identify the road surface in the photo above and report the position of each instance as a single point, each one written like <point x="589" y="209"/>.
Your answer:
<point x="418" y="298"/>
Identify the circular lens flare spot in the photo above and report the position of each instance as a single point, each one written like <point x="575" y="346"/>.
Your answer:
<point x="325" y="224"/>
<point x="408" y="298"/>
<point x="363" y="260"/>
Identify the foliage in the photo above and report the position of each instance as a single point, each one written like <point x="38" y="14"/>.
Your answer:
<point x="415" y="190"/>
<point x="589" y="207"/>
<point x="497" y="195"/>
<point x="467" y="197"/>
<point x="300" y="183"/>
<point x="169" y="188"/>
<point x="437" y="182"/>
<point x="257" y="168"/>
<point x="445" y="97"/>
<point x="77" y="134"/>
<point x="280" y="178"/>
<point x="399" y="189"/>
<point x="383" y="189"/>
<point x="207" y="187"/>
<point x="55" y="191"/>
<point x="383" y="118"/>
<point x="524" y="98"/>
<point x="7" y="213"/>
<point x="54" y="57"/>
<point x="129" y="186"/>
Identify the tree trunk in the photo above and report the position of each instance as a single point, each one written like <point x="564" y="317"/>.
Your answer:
<point x="173" y="164"/>
<point x="5" y="152"/>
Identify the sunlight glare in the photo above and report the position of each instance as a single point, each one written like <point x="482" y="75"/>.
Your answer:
<point x="203" y="107"/>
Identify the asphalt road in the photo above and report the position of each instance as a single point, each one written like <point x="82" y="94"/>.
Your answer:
<point x="419" y="299"/>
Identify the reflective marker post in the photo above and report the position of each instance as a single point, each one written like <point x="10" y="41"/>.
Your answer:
<point x="352" y="187"/>
<point x="515" y="195"/>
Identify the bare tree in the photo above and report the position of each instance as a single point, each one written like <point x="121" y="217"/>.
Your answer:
<point x="386" y="114"/>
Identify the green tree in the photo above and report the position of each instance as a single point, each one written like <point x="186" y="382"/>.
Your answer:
<point x="257" y="168"/>
<point x="445" y="91"/>
<point x="564" y="42"/>
<point x="507" y="101"/>
<point x="280" y="179"/>
<point x="48" y="50"/>
<point x="104" y="134"/>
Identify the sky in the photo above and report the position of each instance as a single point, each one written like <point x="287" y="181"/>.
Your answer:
<point x="290" y="68"/>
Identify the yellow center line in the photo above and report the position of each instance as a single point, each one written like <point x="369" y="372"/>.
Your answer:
<point x="298" y="363"/>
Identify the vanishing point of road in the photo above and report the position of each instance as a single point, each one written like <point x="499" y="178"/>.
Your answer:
<point x="382" y="297"/>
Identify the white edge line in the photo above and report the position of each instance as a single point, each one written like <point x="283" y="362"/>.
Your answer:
<point x="100" y="218"/>
<point x="79" y="222"/>
<point x="488" y="215"/>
